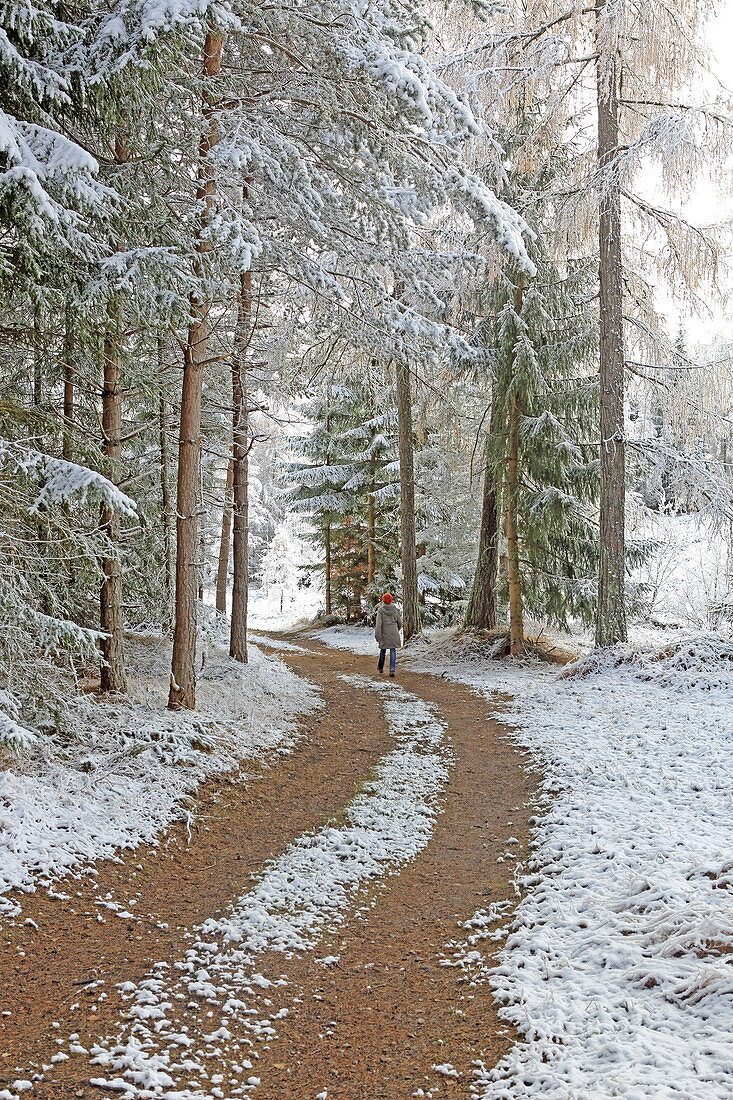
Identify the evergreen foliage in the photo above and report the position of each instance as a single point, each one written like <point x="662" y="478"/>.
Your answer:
<point x="344" y="480"/>
<point x="541" y="349"/>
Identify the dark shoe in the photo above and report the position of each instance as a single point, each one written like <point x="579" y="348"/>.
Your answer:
<point x="380" y="670"/>
<point x="391" y="673"/>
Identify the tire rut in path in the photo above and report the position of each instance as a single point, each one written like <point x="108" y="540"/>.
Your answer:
<point x="373" y="1026"/>
<point x="179" y="883"/>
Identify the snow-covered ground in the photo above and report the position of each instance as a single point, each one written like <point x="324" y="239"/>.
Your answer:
<point x="617" y="970"/>
<point x="299" y="606"/>
<point x="118" y="781"/>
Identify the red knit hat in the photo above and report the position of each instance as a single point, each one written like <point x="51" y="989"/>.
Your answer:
<point x="386" y="598"/>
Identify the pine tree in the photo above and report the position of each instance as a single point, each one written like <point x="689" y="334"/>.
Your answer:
<point x="348" y="485"/>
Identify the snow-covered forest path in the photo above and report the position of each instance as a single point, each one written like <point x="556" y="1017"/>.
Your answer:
<point x="368" y="1007"/>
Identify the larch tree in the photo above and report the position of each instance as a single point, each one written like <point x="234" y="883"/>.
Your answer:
<point x="604" y="90"/>
<point x="611" y="617"/>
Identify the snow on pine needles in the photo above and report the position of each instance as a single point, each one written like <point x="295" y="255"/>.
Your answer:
<point x="131" y="765"/>
<point x="618" y="971"/>
<point x="302" y="895"/>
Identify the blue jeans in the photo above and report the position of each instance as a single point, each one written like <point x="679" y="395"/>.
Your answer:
<point x="392" y="659"/>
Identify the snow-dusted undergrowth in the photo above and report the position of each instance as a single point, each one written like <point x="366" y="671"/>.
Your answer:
<point x="617" y="970"/>
<point x="300" y="896"/>
<point x="130" y="766"/>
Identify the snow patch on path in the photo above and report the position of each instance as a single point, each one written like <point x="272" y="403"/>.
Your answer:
<point x="279" y="644"/>
<point x="355" y="639"/>
<point x="302" y="895"/>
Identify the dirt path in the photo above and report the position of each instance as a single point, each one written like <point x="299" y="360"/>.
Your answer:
<point x="371" y="1026"/>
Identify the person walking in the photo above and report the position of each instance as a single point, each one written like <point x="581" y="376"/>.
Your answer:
<point x="387" y="632"/>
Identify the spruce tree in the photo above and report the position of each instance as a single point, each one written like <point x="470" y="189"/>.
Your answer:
<point x="318" y="472"/>
<point x="346" y="480"/>
<point x="544" y="466"/>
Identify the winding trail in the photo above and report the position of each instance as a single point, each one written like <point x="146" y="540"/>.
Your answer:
<point x="383" y="1016"/>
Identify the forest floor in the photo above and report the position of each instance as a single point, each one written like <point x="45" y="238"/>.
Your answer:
<point x="306" y="937"/>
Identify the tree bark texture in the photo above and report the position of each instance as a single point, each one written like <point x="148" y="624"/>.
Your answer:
<point x="166" y="496"/>
<point x="240" y="460"/>
<point x="327" y="546"/>
<point x="37" y="360"/>
<point x="182" y="691"/>
<point x="112" y="673"/>
<point x="411" y="624"/>
<point x="611" y="614"/>
<point x="67" y="442"/>
<point x="481" y="610"/>
<point x="511" y="530"/>
<point x="371" y="534"/>
<point x="225" y="543"/>
<point x="511" y="518"/>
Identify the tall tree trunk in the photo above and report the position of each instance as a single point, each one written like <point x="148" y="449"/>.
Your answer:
<point x="240" y="458"/>
<point x="112" y="673"/>
<point x="165" y="484"/>
<point x="514" y="576"/>
<point x="42" y="533"/>
<point x="225" y="543"/>
<point x="611" y="620"/>
<point x="182" y="691"/>
<point x="410" y="596"/>
<point x="371" y="533"/>
<point x="37" y="362"/>
<point x="511" y="520"/>
<point x="327" y="543"/>
<point x="183" y="668"/>
<point x="481" y="610"/>
<point x="67" y="443"/>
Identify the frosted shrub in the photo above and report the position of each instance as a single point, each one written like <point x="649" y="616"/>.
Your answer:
<point x="40" y="537"/>
<point x="701" y="663"/>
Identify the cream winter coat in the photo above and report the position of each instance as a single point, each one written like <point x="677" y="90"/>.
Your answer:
<point x="388" y="626"/>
